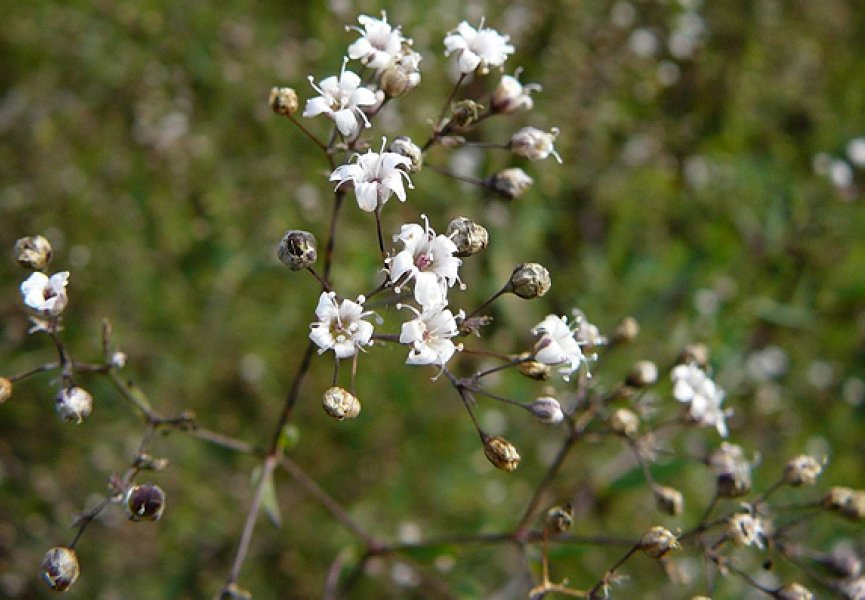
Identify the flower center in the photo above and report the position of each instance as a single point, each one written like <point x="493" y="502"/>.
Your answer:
<point x="423" y="261"/>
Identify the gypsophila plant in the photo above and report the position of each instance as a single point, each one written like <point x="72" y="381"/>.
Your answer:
<point x="419" y="301"/>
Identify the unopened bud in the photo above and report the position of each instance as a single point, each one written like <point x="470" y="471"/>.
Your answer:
<point x="625" y="331"/>
<point x="853" y="589"/>
<point x="403" y="146"/>
<point x="469" y="237"/>
<point x="509" y="183"/>
<point x="402" y="76"/>
<point x="60" y="568"/>
<point x="547" y="409"/>
<point x="297" y="250"/>
<point x="74" y="404"/>
<point x="644" y="373"/>
<point x="511" y="96"/>
<point x="340" y="404"/>
<point x="5" y="389"/>
<point x="283" y="101"/>
<point x="118" y="360"/>
<point x="532" y="368"/>
<point x="794" y="591"/>
<point x="624" y="422"/>
<point x="465" y="113"/>
<point x="843" y="562"/>
<point x="658" y="541"/>
<point x="847" y="502"/>
<point x="802" y="470"/>
<point x="669" y="500"/>
<point x="501" y="453"/>
<point x="744" y="529"/>
<point x="33" y="252"/>
<point x="145" y="502"/>
<point x="534" y="144"/>
<point x="530" y="280"/>
<point x="559" y="519"/>
<point x="732" y="469"/>
<point x="694" y="353"/>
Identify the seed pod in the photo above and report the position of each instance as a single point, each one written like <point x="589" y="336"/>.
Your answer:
<point x="465" y="113"/>
<point x="530" y="280"/>
<point x="802" y="470"/>
<point x="297" y="250"/>
<point x="60" y="568"/>
<point x="501" y="453"/>
<point x="5" y="389"/>
<point x="658" y="541"/>
<point x="794" y="591"/>
<point x="403" y="146"/>
<point x="559" y="519"/>
<point x="509" y="183"/>
<point x="624" y="422"/>
<point x="145" y="502"/>
<point x="843" y="562"/>
<point x="625" y="331"/>
<point x="74" y="404"/>
<point x="283" y="101"/>
<point x="732" y="469"/>
<point x="643" y="374"/>
<point x="847" y="502"/>
<point x="33" y="252"/>
<point x="469" y="237"/>
<point x="669" y="500"/>
<point x="340" y="404"/>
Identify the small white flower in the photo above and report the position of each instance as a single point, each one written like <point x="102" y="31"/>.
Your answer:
<point x="693" y="386"/>
<point x="44" y="294"/>
<point x="534" y="144"/>
<point x="74" y="404"/>
<point x="375" y="177"/>
<point x="480" y="48"/>
<point x="856" y="151"/>
<point x="511" y="96"/>
<point x="557" y="345"/>
<point x="429" y="260"/>
<point x="340" y="326"/>
<point x="430" y="336"/>
<point x="341" y="99"/>
<point x="379" y="43"/>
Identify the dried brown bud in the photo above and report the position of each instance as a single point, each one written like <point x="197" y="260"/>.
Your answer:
<point x="532" y="368"/>
<point x="283" y="101"/>
<point x="547" y="409"/>
<point x="465" y="113"/>
<point x="403" y="146"/>
<point x="5" y="389"/>
<point x="402" y="76"/>
<point x="145" y="502"/>
<point x="33" y="252"/>
<point x="297" y="250"/>
<point x="694" y="353"/>
<point x="530" y="280"/>
<point x="802" y="470"/>
<point x="658" y="541"/>
<point x="559" y="519"/>
<point x="644" y="373"/>
<point x="624" y="422"/>
<point x="469" y="237"/>
<point x="847" y="502"/>
<point x="509" y="183"/>
<point x="501" y="453"/>
<point x="794" y="591"/>
<point x="340" y="404"/>
<point x="625" y="331"/>
<point x="669" y="500"/>
<point x="60" y="568"/>
<point x="74" y="404"/>
<point x="732" y="469"/>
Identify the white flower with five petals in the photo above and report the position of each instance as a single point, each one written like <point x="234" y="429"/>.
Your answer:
<point x="379" y="43"/>
<point x="557" y="345"/>
<point x="693" y="386"/>
<point x="479" y="48"/>
<point x="341" y="99"/>
<point x="340" y="326"/>
<point x="46" y="295"/>
<point x="375" y="177"/>
<point x="429" y="336"/>
<point x="428" y="260"/>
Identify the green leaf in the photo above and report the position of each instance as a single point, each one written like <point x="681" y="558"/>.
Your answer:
<point x="269" y="501"/>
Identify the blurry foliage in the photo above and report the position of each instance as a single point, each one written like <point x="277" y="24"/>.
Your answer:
<point x="136" y="136"/>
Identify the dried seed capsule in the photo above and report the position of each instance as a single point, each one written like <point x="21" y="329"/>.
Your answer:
<point x="403" y="146"/>
<point x="732" y="469"/>
<point x="534" y="144"/>
<point x="532" y="368"/>
<point x="559" y="519"/>
<point x="74" y="404"/>
<point x="794" y="591"/>
<point x="283" y="101"/>
<point x="658" y="541"/>
<point x="60" y="568"/>
<point x="802" y="470"/>
<point x="5" y="389"/>
<point x="744" y="529"/>
<point x="297" y="250"/>
<point x="644" y="373"/>
<point x="624" y="422"/>
<point x="33" y="252"/>
<point x="847" y="502"/>
<point x="547" y="409"/>
<point x="509" y="183"/>
<point x="465" y="113"/>
<point x="469" y="237"/>
<point x="501" y="453"/>
<point x="625" y="331"/>
<point x="340" y="404"/>
<point x="530" y="280"/>
<point x="669" y="500"/>
<point x="145" y="502"/>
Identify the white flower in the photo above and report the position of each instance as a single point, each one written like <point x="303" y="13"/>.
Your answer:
<point x="511" y="96"/>
<point x="693" y="386"/>
<point x="340" y="326"/>
<point x="46" y="295"/>
<point x="379" y="43"/>
<point x="430" y="336"/>
<point x="429" y="260"/>
<point x="477" y="48"/>
<point x="375" y="177"/>
<point x="341" y="99"/>
<point x="557" y="345"/>
<point x="534" y="144"/>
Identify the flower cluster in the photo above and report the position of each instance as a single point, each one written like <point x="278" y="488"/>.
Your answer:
<point x="693" y="387"/>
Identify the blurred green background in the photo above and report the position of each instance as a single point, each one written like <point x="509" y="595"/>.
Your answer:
<point x="705" y="190"/>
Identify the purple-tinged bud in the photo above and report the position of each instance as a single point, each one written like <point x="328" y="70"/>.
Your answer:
<point x="547" y="409"/>
<point x="60" y="568"/>
<point x="145" y="502"/>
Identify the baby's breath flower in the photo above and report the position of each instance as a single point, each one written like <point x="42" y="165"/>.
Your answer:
<point x="477" y="49"/>
<point x="511" y="96"/>
<point x="744" y="529"/>
<point x="429" y="336"/>
<point x="557" y="345"/>
<point x="658" y="541"/>
<point x="427" y="259"/>
<point x="402" y="75"/>
<point x="642" y="374"/>
<point x="340" y="404"/>
<point x="669" y="500"/>
<point x="341" y="99"/>
<point x="509" y="183"/>
<point x="732" y="469"/>
<point x="547" y="409"/>
<point x="624" y="422"/>
<point x="802" y="470"/>
<point x="74" y="404"/>
<point x="534" y="144"/>
<point x="847" y="502"/>
<point x="46" y="295"/>
<point x="340" y="326"/>
<point x="379" y="43"/>
<point x="794" y="591"/>
<point x="375" y="177"/>
<point x="693" y="386"/>
<point x="33" y="252"/>
<point x="403" y="146"/>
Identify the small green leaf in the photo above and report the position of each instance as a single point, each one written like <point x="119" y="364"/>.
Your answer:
<point x="269" y="502"/>
<point x="290" y="437"/>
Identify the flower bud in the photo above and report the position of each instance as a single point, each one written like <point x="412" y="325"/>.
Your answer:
<point x="403" y="146"/>
<point x="469" y="237"/>
<point x="843" y="562"/>
<point x="848" y="503"/>
<point x="340" y="404"/>
<point x="694" y="353"/>
<point x="60" y="568"/>
<point x="145" y="502"/>
<point x="402" y="76"/>
<point x="283" y="101"/>
<point x="625" y="331"/>
<point x="5" y="389"/>
<point x="501" y="453"/>
<point x="658" y="541"/>
<point x="669" y="500"/>
<point x="624" y="422"/>
<point x="853" y="589"/>
<point x="644" y="373"/>
<point x="118" y="360"/>
<point x="547" y="409"/>
<point x="297" y="250"/>
<point x="74" y="404"/>
<point x="802" y="470"/>
<point x="532" y="368"/>
<point x="559" y="519"/>
<point x="509" y="183"/>
<point x="465" y="113"/>
<point x="530" y="280"/>
<point x="534" y="144"/>
<point x="732" y="469"/>
<point x="794" y="591"/>
<point x="511" y="96"/>
<point x="33" y="252"/>
<point x="744" y="529"/>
